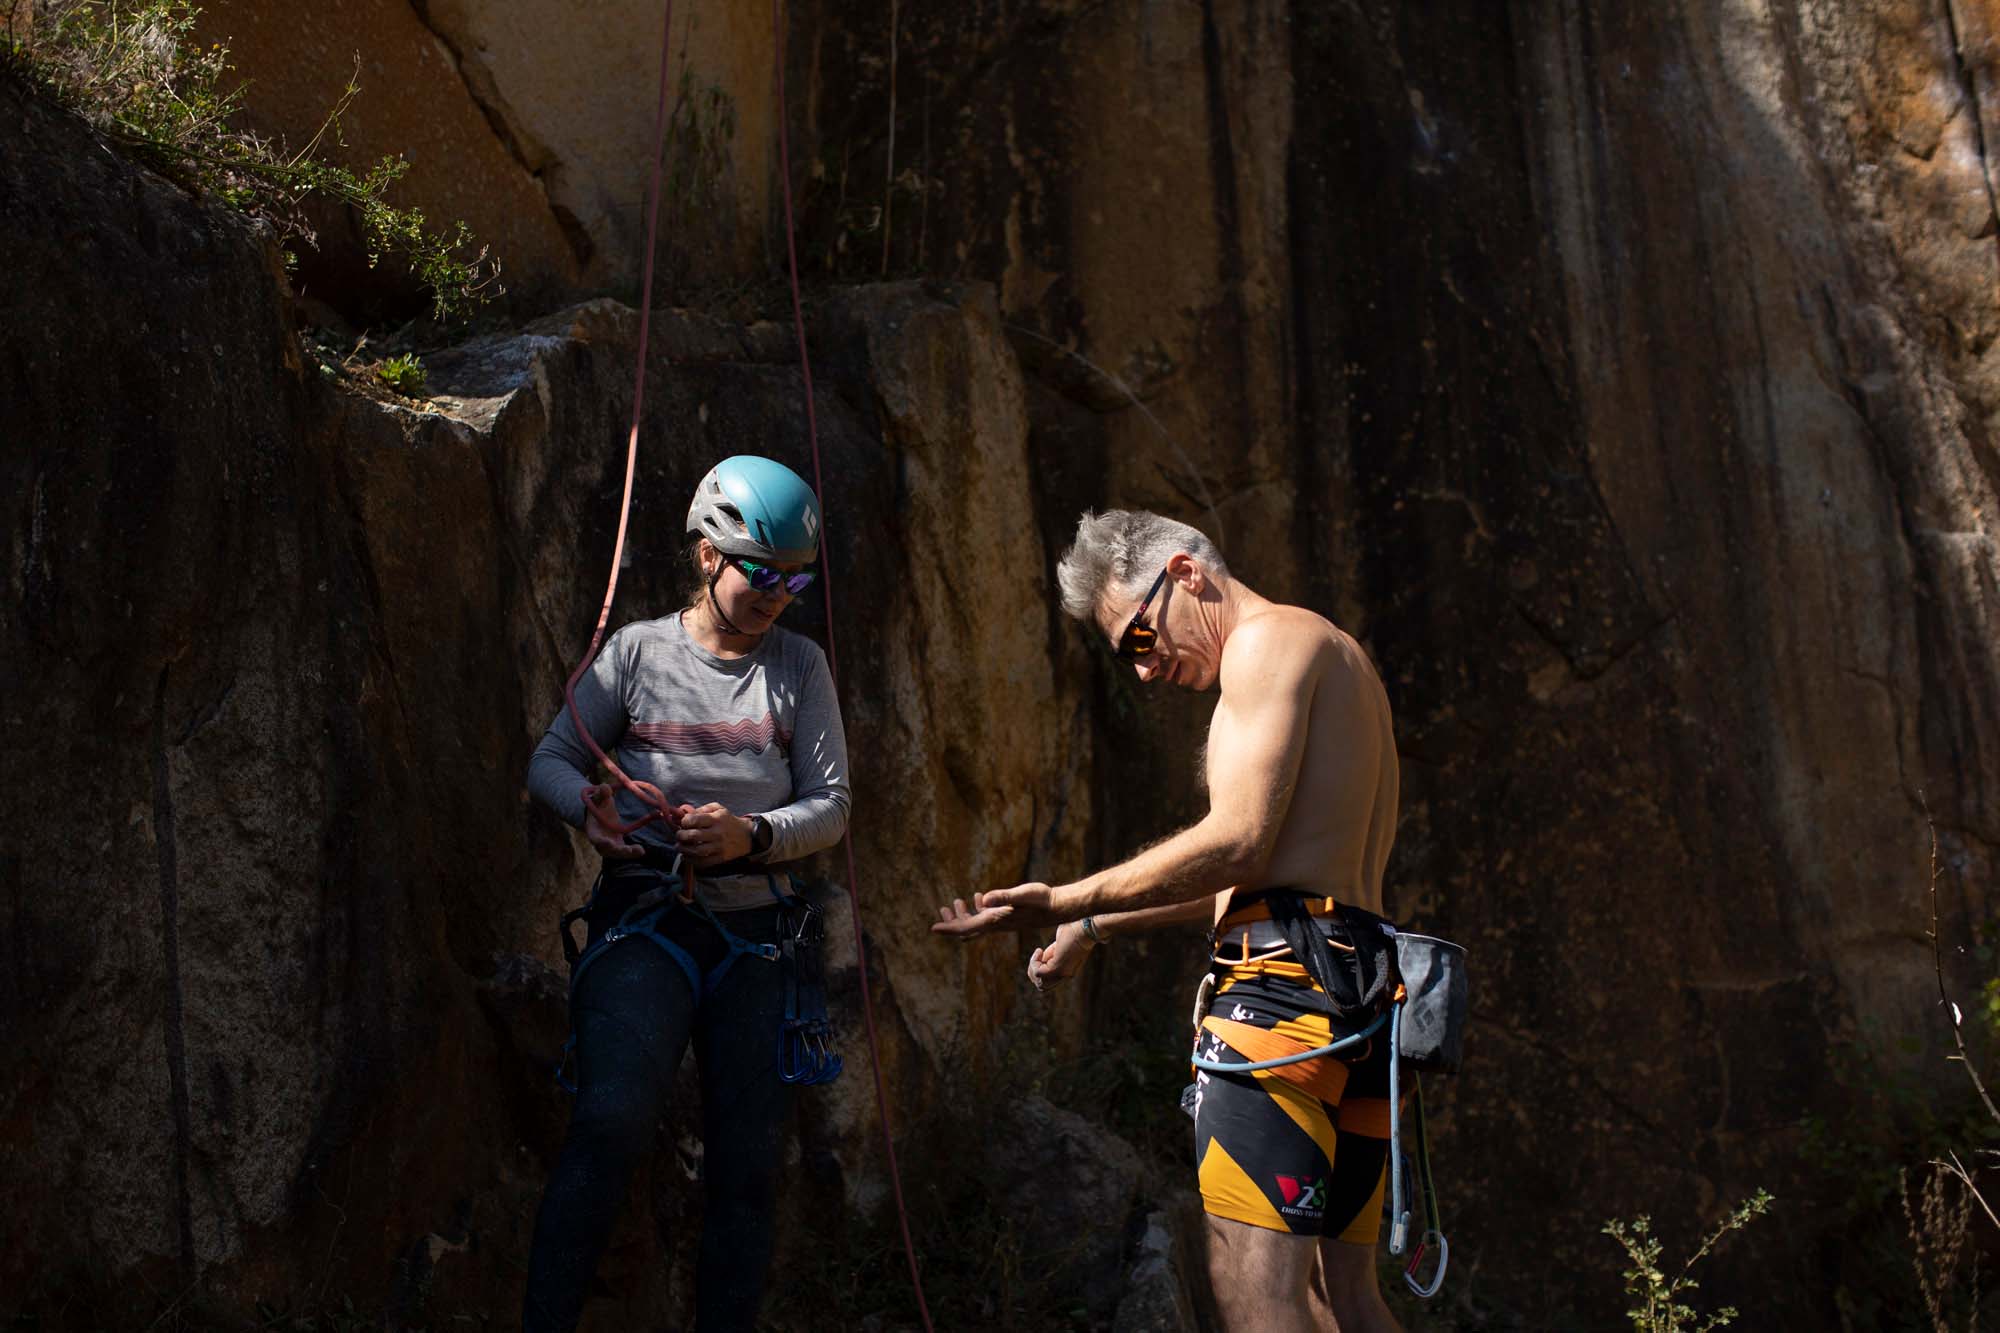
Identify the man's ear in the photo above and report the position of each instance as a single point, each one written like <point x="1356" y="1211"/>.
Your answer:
<point x="1185" y="570"/>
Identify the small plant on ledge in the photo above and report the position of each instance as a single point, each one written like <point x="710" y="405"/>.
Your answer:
<point x="404" y="373"/>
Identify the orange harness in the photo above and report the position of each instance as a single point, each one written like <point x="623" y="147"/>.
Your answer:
<point x="1259" y="909"/>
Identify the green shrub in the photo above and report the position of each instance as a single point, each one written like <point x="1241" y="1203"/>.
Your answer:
<point x="1659" y="1308"/>
<point x="133" y="70"/>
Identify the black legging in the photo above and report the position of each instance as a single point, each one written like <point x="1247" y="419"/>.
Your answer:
<point x="633" y="1014"/>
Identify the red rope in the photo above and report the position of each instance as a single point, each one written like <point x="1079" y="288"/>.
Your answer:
<point x="598" y="799"/>
<point x="833" y="661"/>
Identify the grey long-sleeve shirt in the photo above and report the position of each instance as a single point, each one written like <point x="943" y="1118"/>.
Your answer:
<point x="760" y="734"/>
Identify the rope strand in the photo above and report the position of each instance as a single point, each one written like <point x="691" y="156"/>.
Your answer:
<point x="645" y="791"/>
<point x="833" y="662"/>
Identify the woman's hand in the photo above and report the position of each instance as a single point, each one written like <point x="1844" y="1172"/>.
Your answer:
<point x="611" y="846"/>
<point x="1061" y="958"/>
<point x="710" y="834"/>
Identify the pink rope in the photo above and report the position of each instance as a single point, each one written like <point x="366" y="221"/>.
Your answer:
<point x="833" y="662"/>
<point x="605" y="812"/>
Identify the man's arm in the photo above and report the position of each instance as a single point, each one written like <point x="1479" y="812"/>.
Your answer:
<point x="1062" y="957"/>
<point x="1257" y="740"/>
<point x="1256" y="743"/>
<point x="1153" y="918"/>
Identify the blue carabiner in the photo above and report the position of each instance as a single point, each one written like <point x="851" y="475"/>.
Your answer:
<point x="794" y="1058"/>
<point x="806" y="1056"/>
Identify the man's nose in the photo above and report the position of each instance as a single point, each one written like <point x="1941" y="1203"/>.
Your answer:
<point x="1147" y="666"/>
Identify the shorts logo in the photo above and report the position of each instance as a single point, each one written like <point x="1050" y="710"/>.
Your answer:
<point x="1302" y="1194"/>
<point x="1241" y="1015"/>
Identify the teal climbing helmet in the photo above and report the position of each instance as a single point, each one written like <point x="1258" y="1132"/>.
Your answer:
<point x="756" y="507"/>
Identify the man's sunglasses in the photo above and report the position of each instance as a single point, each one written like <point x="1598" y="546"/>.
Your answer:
<point x="1138" y="639"/>
<point x="765" y="578"/>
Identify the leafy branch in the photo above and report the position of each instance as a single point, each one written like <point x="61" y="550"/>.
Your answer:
<point x="133" y="69"/>
<point x="1660" y="1308"/>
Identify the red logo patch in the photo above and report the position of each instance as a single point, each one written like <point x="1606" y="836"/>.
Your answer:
<point x="1289" y="1187"/>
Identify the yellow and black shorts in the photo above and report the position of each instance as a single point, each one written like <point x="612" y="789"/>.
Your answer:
<point x="1302" y="1148"/>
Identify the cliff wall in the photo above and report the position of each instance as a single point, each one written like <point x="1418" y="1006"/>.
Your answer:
<point x="1624" y="383"/>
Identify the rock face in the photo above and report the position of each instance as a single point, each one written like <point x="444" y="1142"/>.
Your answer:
<point x="270" y="608"/>
<point x="1626" y="380"/>
<point x="1620" y="379"/>
<point x="531" y="124"/>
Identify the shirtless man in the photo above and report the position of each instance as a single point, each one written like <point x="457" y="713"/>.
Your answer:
<point x="1302" y="779"/>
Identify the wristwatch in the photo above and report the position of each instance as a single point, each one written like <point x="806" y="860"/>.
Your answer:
<point x="760" y="835"/>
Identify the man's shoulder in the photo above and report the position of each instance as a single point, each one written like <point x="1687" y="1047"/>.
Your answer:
<point x="1291" y="640"/>
<point x="1286" y="631"/>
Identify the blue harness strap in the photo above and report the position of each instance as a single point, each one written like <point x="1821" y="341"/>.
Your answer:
<point x="805" y="1042"/>
<point x="642" y="921"/>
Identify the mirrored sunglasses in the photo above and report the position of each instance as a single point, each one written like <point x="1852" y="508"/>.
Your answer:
<point x="765" y="578"/>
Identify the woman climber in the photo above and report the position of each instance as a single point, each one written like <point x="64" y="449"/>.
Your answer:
<point x="735" y="720"/>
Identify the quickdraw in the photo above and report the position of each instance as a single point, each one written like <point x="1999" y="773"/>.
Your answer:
<point x="805" y="1044"/>
<point x="1432" y="1228"/>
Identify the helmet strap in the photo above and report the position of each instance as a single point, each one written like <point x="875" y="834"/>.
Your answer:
<point x="716" y="607"/>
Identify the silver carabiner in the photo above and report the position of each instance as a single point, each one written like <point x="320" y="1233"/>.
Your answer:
<point x="1424" y="1291"/>
<point x="1204" y="994"/>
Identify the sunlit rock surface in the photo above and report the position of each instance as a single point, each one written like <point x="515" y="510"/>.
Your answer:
<point x="1625" y="380"/>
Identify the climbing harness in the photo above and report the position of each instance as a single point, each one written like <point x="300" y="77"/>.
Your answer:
<point x="810" y="1055"/>
<point x="642" y="921"/>
<point x="805" y="1040"/>
<point x="1415" y="984"/>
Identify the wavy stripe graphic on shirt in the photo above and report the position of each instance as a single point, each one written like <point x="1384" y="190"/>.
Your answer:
<point x="708" y="737"/>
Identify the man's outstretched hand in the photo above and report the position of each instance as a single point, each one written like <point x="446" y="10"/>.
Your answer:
<point x="1022" y="906"/>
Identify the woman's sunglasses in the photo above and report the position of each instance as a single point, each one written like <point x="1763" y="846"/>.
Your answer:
<point x="1138" y="639"/>
<point x="765" y="578"/>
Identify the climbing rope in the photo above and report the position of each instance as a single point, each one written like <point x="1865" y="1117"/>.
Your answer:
<point x="599" y="798"/>
<point x="833" y="657"/>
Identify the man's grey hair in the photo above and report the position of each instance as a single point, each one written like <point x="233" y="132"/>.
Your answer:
<point x="1123" y="550"/>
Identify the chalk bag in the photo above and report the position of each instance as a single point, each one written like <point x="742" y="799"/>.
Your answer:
<point x="1431" y="1036"/>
